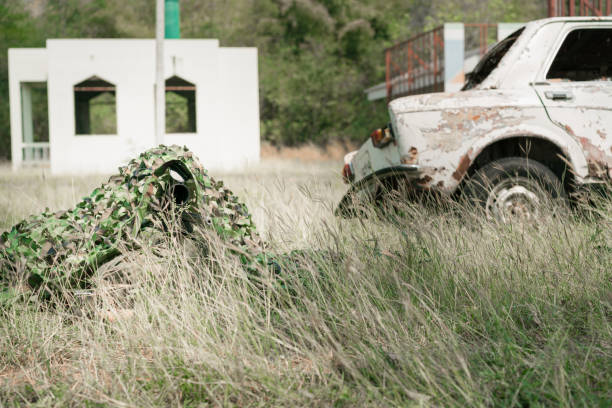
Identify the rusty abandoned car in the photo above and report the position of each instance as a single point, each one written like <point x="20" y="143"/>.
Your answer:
<point x="533" y="121"/>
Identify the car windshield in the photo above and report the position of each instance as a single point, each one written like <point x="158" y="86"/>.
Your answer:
<point x="490" y="61"/>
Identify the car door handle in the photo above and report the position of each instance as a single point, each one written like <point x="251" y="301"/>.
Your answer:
<point x="559" y="95"/>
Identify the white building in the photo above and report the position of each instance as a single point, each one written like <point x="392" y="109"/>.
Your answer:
<point x="100" y="98"/>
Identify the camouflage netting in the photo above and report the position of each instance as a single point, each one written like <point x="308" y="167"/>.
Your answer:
<point x="63" y="249"/>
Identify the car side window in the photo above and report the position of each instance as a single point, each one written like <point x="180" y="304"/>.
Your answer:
<point x="586" y="55"/>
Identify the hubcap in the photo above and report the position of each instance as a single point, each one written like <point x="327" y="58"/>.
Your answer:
<point x="514" y="199"/>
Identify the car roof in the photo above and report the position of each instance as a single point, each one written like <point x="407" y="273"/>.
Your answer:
<point x="594" y="19"/>
<point x="499" y="76"/>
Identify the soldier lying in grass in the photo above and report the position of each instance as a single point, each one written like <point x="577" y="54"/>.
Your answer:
<point x="59" y="250"/>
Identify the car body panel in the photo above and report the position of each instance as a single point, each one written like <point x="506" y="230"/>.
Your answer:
<point x="447" y="139"/>
<point x="369" y="159"/>
<point x="585" y="109"/>
<point x="440" y="135"/>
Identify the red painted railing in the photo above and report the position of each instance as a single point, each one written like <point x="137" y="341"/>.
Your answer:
<point x="559" y="8"/>
<point x="480" y="36"/>
<point x="416" y="66"/>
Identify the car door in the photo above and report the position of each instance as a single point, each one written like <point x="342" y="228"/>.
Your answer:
<point x="575" y="87"/>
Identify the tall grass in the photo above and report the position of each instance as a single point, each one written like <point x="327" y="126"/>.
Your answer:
<point x="430" y="308"/>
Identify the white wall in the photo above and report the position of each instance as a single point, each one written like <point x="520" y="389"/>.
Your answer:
<point x="25" y="65"/>
<point x="239" y="136"/>
<point x="227" y="100"/>
<point x="454" y="42"/>
<point x="125" y="63"/>
<point x="196" y="61"/>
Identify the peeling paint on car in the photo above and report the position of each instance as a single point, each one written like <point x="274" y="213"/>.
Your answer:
<point x="442" y="135"/>
<point x="464" y="165"/>
<point x="424" y="181"/>
<point x="412" y="157"/>
<point x="599" y="162"/>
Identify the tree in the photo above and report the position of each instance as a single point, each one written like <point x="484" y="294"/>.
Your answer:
<point x="316" y="56"/>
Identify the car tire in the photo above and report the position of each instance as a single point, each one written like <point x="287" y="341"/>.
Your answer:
<point x="516" y="188"/>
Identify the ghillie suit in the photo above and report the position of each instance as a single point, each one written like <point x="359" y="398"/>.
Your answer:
<point x="58" y="250"/>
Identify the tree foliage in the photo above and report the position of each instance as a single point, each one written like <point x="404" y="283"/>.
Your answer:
<point x="316" y="56"/>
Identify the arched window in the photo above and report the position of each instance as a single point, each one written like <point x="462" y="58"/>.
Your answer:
<point x="180" y="106"/>
<point x="95" y="107"/>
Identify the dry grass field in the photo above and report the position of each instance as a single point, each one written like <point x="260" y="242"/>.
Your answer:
<point x="436" y="307"/>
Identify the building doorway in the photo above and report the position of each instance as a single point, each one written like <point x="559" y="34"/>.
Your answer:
<point x="34" y="123"/>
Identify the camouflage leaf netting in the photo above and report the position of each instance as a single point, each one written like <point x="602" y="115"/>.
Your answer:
<point x="63" y="249"/>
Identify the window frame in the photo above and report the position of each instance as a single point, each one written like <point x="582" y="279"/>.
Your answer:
<point x="115" y="91"/>
<point x="195" y="102"/>
<point x="566" y="31"/>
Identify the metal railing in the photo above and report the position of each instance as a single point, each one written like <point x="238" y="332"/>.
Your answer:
<point x="35" y="153"/>
<point x="561" y="8"/>
<point x="416" y="66"/>
<point x="480" y="36"/>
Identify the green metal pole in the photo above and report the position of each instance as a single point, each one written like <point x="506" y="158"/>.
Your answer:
<point x="173" y="19"/>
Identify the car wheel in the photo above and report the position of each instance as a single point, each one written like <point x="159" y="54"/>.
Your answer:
<point x="516" y="189"/>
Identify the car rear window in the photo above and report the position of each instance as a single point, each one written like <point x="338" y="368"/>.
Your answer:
<point x="586" y="55"/>
<point x="490" y="61"/>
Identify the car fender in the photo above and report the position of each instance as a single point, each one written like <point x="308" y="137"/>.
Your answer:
<point x="364" y="191"/>
<point x="570" y="147"/>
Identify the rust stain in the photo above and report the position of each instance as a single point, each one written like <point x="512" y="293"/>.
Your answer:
<point x="424" y="181"/>
<point x="464" y="165"/>
<point x="601" y="134"/>
<point x="596" y="169"/>
<point x="412" y="156"/>
<point x="569" y="130"/>
<point x="470" y="123"/>
<point x="597" y="161"/>
<point x="591" y="150"/>
<point x="459" y="117"/>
